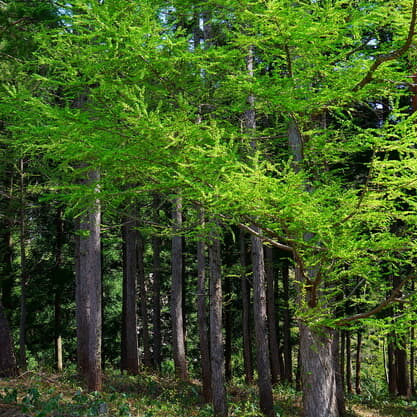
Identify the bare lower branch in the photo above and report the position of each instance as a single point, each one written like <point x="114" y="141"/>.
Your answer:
<point x="391" y="299"/>
<point x="265" y="238"/>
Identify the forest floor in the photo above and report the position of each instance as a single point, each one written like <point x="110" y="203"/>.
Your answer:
<point x="40" y="394"/>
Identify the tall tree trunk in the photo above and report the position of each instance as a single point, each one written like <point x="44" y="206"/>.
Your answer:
<point x="258" y="267"/>
<point x="8" y="366"/>
<point x="147" y="357"/>
<point x="23" y="274"/>
<point x="392" y="370"/>
<point x="246" y="333"/>
<point x="202" y="317"/>
<point x="412" y="341"/>
<point x="58" y="290"/>
<point x="177" y="294"/>
<point x="88" y="294"/>
<point x="227" y="329"/>
<point x="342" y="356"/>
<point x="272" y="322"/>
<point x="322" y="393"/>
<point x="156" y="319"/>
<point x="340" y="395"/>
<point x="261" y="329"/>
<point x="358" y="363"/>
<point x="216" y="338"/>
<point x="348" y="362"/>
<point x="403" y="384"/>
<point x="287" y="324"/>
<point x="318" y="372"/>
<point x="129" y="360"/>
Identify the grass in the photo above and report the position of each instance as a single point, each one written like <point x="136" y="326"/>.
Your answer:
<point x="40" y="394"/>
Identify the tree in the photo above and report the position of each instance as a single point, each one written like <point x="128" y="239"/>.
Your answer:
<point x="178" y="341"/>
<point x="88" y="291"/>
<point x="8" y="366"/>
<point x="129" y="342"/>
<point x="218" y="379"/>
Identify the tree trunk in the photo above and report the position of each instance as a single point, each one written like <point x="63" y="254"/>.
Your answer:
<point x="202" y="318"/>
<point x="358" y="363"/>
<point x="261" y="329"/>
<point x="403" y="386"/>
<point x="8" y="366"/>
<point x="23" y="274"/>
<point x="342" y="356"/>
<point x="147" y="357"/>
<point x="177" y="294"/>
<point x="272" y="322"/>
<point x="287" y="324"/>
<point x="129" y="360"/>
<point x="58" y="290"/>
<point x="88" y="294"/>
<point x="216" y="338"/>
<point x="156" y="259"/>
<point x="392" y="370"/>
<point x="227" y="329"/>
<point x="246" y="333"/>
<point x="412" y="341"/>
<point x="318" y="372"/>
<point x="348" y="362"/>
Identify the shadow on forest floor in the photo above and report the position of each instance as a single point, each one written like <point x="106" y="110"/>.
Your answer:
<point x="36" y="394"/>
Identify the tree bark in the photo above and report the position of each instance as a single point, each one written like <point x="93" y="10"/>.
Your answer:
<point x="202" y="317"/>
<point x="287" y="324"/>
<point x="358" y="363"/>
<point x="147" y="357"/>
<point x="58" y="290"/>
<point x="246" y="332"/>
<point x="177" y="294"/>
<point x="8" y="366"/>
<point x="261" y="329"/>
<point x="88" y="294"/>
<point x="272" y="322"/>
<point x="129" y="341"/>
<point x="318" y="372"/>
<point x="156" y="319"/>
<point x="216" y="338"/>
<point x="392" y="370"/>
<point x="348" y="362"/>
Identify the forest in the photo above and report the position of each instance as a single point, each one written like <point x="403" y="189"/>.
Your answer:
<point x="208" y="208"/>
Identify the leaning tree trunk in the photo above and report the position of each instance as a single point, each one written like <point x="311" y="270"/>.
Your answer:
<point x="177" y="294"/>
<point x="7" y="359"/>
<point x="261" y="329"/>
<point x="216" y="338"/>
<point x="129" y="342"/>
<point x="88" y="294"/>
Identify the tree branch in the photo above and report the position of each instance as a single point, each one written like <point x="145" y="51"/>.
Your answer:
<point x="391" y="299"/>
<point x="393" y="55"/>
